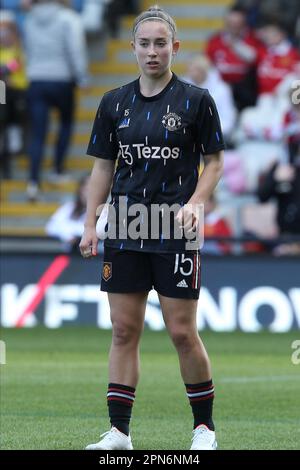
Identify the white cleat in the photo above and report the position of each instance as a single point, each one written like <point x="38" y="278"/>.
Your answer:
<point x="112" y="440"/>
<point x="203" y="439"/>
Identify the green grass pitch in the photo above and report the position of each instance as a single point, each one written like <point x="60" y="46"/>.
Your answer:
<point x="53" y="390"/>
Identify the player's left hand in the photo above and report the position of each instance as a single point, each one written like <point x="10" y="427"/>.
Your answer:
<point x="188" y="218"/>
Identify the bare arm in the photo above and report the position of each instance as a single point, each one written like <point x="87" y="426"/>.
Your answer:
<point x="209" y="178"/>
<point x="98" y="191"/>
<point x="207" y="182"/>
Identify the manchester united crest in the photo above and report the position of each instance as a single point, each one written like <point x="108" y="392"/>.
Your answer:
<point x="171" y="121"/>
<point x="107" y="271"/>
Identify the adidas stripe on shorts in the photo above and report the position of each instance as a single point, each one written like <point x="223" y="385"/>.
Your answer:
<point x="175" y="275"/>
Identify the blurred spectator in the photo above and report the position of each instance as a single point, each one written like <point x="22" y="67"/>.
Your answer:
<point x="234" y="53"/>
<point x="77" y="4"/>
<point x="91" y="11"/>
<point x="12" y="72"/>
<point x="289" y="87"/>
<point x="276" y="59"/>
<point x="282" y="182"/>
<point x="252" y="9"/>
<point x="18" y="8"/>
<point x="264" y="130"/>
<point x="287" y="10"/>
<point x="291" y="127"/>
<point x="115" y="9"/>
<point x="260" y="136"/>
<point x="297" y="32"/>
<point x="215" y="225"/>
<point x="56" y="63"/>
<point x="92" y="15"/>
<point x="67" y="222"/>
<point x="201" y="73"/>
<point x="234" y="172"/>
<point x="258" y="221"/>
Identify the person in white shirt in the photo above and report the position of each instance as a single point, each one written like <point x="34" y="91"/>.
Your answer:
<point x="200" y="72"/>
<point x="67" y="223"/>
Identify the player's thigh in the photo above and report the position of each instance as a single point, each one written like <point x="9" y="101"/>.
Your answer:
<point x="127" y="311"/>
<point x="180" y="315"/>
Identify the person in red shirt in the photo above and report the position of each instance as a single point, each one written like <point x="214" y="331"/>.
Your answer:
<point x="215" y="225"/>
<point x="276" y="59"/>
<point x="234" y="52"/>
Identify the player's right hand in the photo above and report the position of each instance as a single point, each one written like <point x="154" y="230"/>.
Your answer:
<point x="89" y="242"/>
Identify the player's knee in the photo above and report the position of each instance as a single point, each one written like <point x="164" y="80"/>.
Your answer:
<point x="124" y="334"/>
<point x="184" y="341"/>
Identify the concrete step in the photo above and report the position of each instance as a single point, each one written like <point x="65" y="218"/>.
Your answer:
<point x="101" y="89"/>
<point x="97" y="46"/>
<point x="199" y="22"/>
<point x="15" y="191"/>
<point x="18" y="228"/>
<point x="23" y="175"/>
<point x="23" y="221"/>
<point x="72" y="163"/>
<point x="75" y="151"/>
<point x="113" y="68"/>
<point x="27" y="209"/>
<point x="91" y="101"/>
<point x="87" y="115"/>
<point x="56" y="197"/>
<point x="184" y="34"/>
<point x="80" y="127"/>
<point x="110" y="81"/>
<point x="193" y="10"/>
<point x="77" y="138"/>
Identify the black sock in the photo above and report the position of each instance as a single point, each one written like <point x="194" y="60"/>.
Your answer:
<point x="201" y="398"/>
<point x="120" y="399"/>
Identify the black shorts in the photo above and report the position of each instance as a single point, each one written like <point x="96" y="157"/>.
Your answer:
<point x="174" y="275"/>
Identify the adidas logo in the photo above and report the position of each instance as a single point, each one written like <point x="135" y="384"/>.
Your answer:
<point x="182" y="284"/>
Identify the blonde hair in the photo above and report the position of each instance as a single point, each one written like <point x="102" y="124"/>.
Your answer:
<point x="155" y="13"/>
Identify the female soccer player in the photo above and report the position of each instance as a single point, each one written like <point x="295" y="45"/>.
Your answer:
<point x="156" y="128"/>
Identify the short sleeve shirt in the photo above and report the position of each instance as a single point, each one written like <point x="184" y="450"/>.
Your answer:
<point x="157" y="143"/>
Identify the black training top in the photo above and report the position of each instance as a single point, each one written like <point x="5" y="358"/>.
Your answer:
<point x="158" y="142"/>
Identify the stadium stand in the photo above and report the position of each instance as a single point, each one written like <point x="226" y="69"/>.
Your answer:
<point x="112" y="64"/>
<point x="109" y="68"/>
